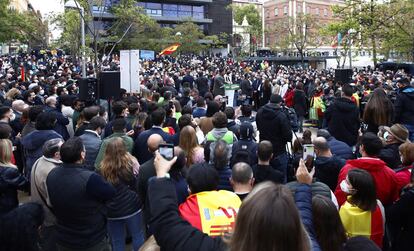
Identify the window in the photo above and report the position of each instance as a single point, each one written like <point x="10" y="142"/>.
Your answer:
<point x="153" y="9"/>
<point x="285" y="10"/>
<point x="325" y="12"/>
<point x="276" y="12"/>
<point x="308" y="10"/>
<point x="267" y="14"/>
<point x="198" y="11"/>
<point x="184" y="10"/>
<point x="317" y="11"/>
<point x="299" y="9"/>
<point x="170" y="10"/>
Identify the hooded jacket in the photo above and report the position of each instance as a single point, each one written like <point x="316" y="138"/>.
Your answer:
<point x="404" y="106"/>
<point x="384" y="178"/>
<point x="343" y="122"/>
<point x="327" y="170"/>
<point x="33" y="143"/>
<point x="274" y="126"/>
<point x="340" y="148"/>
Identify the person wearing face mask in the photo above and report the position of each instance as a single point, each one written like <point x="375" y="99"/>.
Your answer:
<point x="384" y="177"/>
<point x="393" y="136"/>
<point x="62" y="121"/>
<point x="92" y="140"/>
<point x="362" y="214"/>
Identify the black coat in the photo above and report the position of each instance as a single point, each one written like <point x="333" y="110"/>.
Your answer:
<point x="11" y="180"/>
<point x="267" y="173"/>
<point x="343" y="121"/>
<point x="404" y="106"/>
<point x="202" y="85"/>
<point x="274" y="126"/>
<point x="126" y="200"/>
<point x="299" y="103"/>
<point x="390" y="154"/>
<point x="400" y="220"/>
<point x="327" y="170"/>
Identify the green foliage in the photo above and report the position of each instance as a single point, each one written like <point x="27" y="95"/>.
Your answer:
<point x="252" y="16"/>
<point x="70" y="22"/>
<point x="25" y="27"/>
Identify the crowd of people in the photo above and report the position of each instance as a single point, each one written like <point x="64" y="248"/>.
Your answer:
<point x="240" y="176"/>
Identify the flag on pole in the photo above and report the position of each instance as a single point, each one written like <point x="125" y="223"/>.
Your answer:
<point x="337" y="40"/>
<point x="170" y="49"/>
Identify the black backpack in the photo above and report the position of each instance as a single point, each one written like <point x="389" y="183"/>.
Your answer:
<point x="293" y="118"/>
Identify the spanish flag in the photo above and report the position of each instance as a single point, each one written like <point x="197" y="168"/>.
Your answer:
<point x="212" y="212"/>
<point x="170" y="49"/>
<point x="358" y="222"/>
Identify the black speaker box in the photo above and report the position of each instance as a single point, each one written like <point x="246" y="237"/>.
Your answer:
<point x="88" y="89"/>
<point x="109" y="84"/>
<point x="343" y="75"/>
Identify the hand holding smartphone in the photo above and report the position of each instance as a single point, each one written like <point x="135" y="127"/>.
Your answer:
<point x="166" y="151"/>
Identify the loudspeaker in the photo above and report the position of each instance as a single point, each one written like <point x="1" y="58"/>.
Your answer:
<point x="88" y="89"/>
<point x="109" y="84"/>
<point x="343" y="75"/>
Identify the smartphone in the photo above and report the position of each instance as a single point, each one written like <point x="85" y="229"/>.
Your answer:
<point x="308" y="151"/>
<point x="166" y="151"/>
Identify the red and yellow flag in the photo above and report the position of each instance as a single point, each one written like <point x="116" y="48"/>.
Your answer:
<point x="170" y="49"/>
<point x="212" y="212"/>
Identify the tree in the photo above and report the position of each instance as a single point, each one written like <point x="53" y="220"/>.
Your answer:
<point x="25" y="27"/>
<point x="399" y="32"/>
<point x="299" y="34"/>
<point x="252" y="16"/>
<point x="188" y="34"/>
<point x="374" y="21"/>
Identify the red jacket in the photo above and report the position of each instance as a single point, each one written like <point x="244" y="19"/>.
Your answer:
<point x="384" y="177"/>
<point x="289" y="97"/>
<point x="403" y="177"/>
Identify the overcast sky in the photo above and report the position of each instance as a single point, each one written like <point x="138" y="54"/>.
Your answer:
<point x="46" y="7"/>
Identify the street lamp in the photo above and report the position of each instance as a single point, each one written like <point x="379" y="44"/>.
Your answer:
<point x="350" y="32"/>
<point x="72" y="4"/>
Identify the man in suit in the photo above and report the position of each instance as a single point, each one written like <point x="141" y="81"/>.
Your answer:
<point x="140" y="148"/>
<point x="92" y="140"/>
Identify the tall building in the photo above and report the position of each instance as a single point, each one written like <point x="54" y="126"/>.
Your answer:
<point x="243" y="42"/>
<point x="211" y="15"/>
<point x="278" y="11"/>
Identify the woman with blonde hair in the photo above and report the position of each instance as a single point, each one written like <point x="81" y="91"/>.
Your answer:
<point x="11" y="179"/>
<point x="117" y="167"/>
<point x="189" y="143"/>
<point x="11" y="96"/>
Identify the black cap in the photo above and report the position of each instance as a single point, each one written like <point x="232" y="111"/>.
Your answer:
<point x="246" y="131"/>
<point x="276" y="99"/>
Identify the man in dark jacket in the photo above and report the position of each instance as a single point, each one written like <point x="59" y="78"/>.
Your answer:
<point x="218" y="88"/>
<point x="140" y="147"/>
<point x="246" y="147"/>
<point x="274" y="126"/>
<point x="92" y="140"/>
<point x="342" y="118"/>
<point x="338" y="148"/>
<point x="202" y="84"/>
<point x="221" y="164"/>
<point x="404" y="106"/>
<point x="263" y="171"/>
<point x="299" y="104"/>
<point x="246" y="88"/>
<point x="77" y="197"/>
<point x="394" y="136"/>
<point x="61" y="121"/>
<point x="33" y="142"/>
<point x="327" y="166"/>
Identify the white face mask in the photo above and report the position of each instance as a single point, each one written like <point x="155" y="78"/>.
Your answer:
<point x="42" y="92"/>
<point x="12" y="117"/>
<point x="345" y="187"/>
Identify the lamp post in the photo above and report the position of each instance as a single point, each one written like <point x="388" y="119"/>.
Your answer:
<point x="72" y="4"/>
<point x="350" y="32"/>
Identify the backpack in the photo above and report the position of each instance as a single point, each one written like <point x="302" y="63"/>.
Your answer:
<point x="293" y="118"/>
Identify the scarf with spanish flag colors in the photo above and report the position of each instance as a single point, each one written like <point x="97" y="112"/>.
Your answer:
<point x="170" y="49"/>
<point x="363" y="223"/>
<point x="212" y="212"/>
